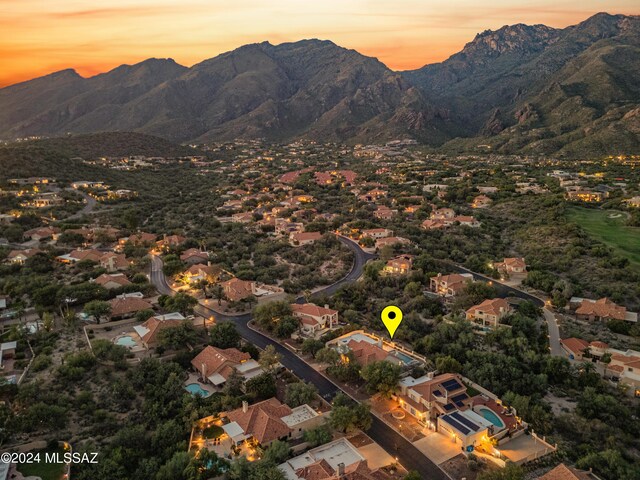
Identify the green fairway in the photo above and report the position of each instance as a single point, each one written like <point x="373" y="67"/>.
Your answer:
<point x="609" y="227"/>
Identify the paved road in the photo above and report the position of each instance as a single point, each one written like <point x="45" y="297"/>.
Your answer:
<point x="88" y="208"/>
<point x="391" y="441"/>
<point x="507" y="291"/>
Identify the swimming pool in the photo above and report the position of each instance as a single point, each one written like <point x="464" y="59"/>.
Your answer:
<point x="403" y="357"/>
<point x="196" y="389"/>
<point x="126" y="341"/>
<point x="491" y="416"/>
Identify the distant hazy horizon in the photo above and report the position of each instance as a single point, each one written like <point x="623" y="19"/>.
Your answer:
<point x="38" y="37"/>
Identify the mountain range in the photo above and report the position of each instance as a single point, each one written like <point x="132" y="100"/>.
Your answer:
<point x="519" y="89"/>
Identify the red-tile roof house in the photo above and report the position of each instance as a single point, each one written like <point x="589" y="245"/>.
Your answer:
<point x="489" y="312"/>
<point x="140" y="238"/>
<point x="80" y="255"/>
<point x="443" y="214"/>
<point x="42" y="233"/>
<point x="603" y="310"/>
<point x="366" y="353"/>
<point x="216" y="364"/>
<point x="377" y="233"/>
<point x="481" y="201"/>
<point x="562" y="472"/>
<point x="150" y="330"/>
<point x="122" y="307"/>
<point x="304" y="238"/>
<point x="383" y="242"/>
<point x="111" y="281"/>
<point x="314" y="318"/>
<point x="574" y="347"/>
<point x="449" y="285"/>
<point x="399" y="266"/>
<point x="262" y="421"/>
<point x="21" y="256"/>
<point x="512" y="265"/>
<point x="433" y="224"/>
<point x="384" y="213"/>
<point x="196" y="273"/>
<point x="193" y="256"/>
<point x="236" y="289"/>
<point x="114" y="261"/>
<point x="171" y="241"/>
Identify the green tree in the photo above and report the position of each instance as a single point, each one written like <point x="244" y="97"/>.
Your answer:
<point x="372" y="269"/>
<point x="299" y="393"/>
<point x="381" y="377"/>
<point x="269" y="358"/>
<point x="318" y="435"/>
<point x="448" y="364"/>
<point x="328" y="355"/>
<point x="180" y="302"/>
<point x="277" y="452"/>
<point x="179" y="336"/>
<point x="175" y="467"/>
<point x="218" y="293"/>
<point x="98" y="310"/>
<point x="224" y="335"/>
<point x="261" y="387"/>
<point x="346" y="418"/>
<point x="311" y="346"/>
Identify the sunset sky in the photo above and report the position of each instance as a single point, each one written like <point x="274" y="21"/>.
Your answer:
<point x="41" y="36"/>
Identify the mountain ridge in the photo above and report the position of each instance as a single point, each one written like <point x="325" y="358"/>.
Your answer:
<point x="318" y="90"/>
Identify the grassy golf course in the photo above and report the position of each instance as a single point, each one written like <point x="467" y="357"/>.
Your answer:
<point x="608" y="227"/>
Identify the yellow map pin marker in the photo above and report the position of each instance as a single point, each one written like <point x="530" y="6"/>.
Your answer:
<point x="391" y="316"/>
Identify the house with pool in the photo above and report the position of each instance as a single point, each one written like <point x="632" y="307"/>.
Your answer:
<point x="146" y="335"/>
<point x="445" y="404"/>
<point x="367" y="348"/>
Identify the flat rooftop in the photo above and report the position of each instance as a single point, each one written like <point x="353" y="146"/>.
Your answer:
<point x="334" y="453"/>
<point x="300" y="414"/>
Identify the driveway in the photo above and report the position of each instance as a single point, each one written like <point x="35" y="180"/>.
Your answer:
<point x="437" y="447"/>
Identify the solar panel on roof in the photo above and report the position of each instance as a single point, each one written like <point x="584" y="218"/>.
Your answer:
<point x="437" y="393"/>
<point x="460" y="397"/>
<point x="459" y="404"/>
<point x="451" y="385"/>
<point x="464" y="420"/>
<point x="458" y="426"/>
<point x="448" y="407"/>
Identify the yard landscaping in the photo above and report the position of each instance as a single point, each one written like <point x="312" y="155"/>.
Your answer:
<point x="214" y="431"/>
<point x="43" y="469"/>
<point x="610" y="229"/>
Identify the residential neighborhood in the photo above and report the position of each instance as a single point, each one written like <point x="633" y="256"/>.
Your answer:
<point x="257" y="322"/>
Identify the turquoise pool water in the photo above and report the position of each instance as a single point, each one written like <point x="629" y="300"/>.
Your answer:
<point x="196" y="389"/>
<point x="404" y="358"/>
<point x="491" y="416"/>
<point x="126" y="341"/>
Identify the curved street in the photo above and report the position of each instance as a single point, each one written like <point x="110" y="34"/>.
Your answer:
<point x="88" y="208"/>
<point x="390" y="440"/>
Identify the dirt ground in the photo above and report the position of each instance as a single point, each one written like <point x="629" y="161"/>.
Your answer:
<point x="458" y="467"/>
